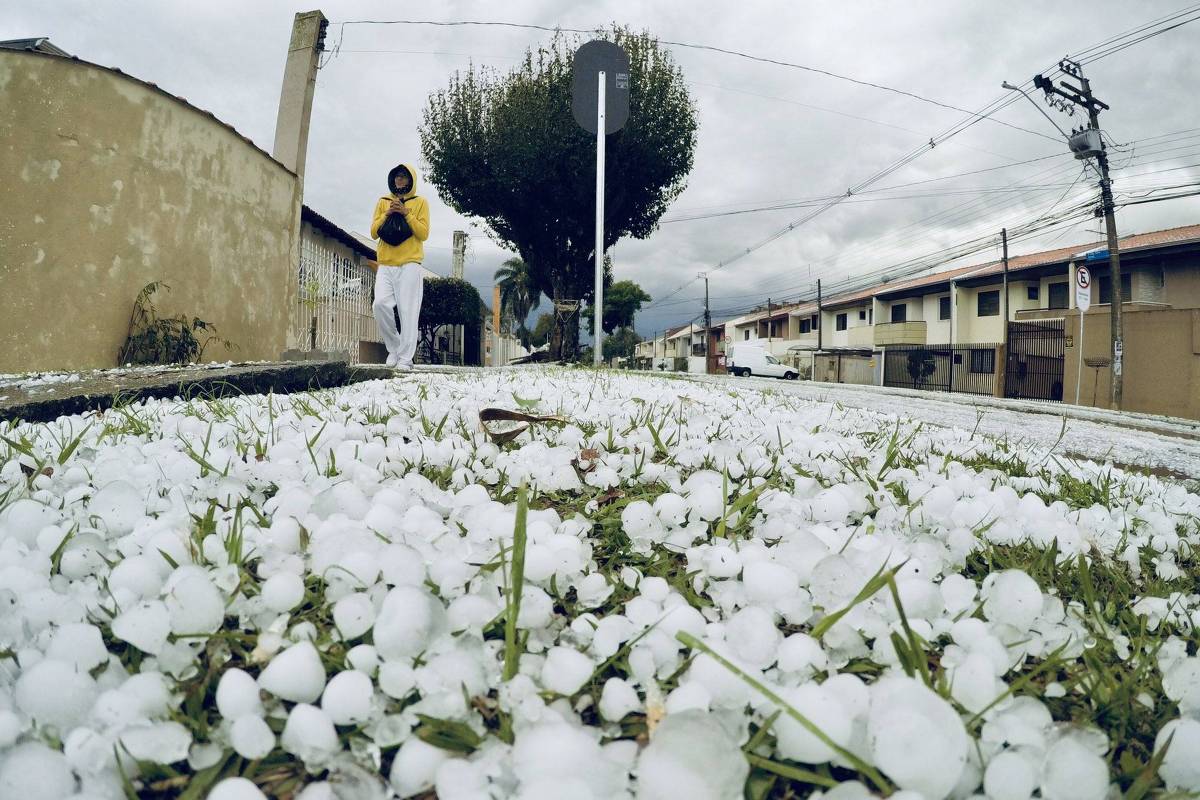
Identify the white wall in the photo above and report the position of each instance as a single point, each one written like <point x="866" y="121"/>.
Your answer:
<point x="831" y="337"/>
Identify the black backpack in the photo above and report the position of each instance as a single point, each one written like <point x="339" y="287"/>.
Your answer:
<point x="395" y="229"/>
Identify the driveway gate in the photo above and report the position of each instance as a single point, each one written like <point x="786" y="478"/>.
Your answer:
<point x="1035" y="360"/>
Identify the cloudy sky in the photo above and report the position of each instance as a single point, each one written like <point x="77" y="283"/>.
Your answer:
<point x="768" y="134"/>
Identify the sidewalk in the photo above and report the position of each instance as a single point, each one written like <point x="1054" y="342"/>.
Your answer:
<point x="1166" y="446"/>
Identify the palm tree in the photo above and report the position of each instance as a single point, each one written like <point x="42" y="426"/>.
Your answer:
<point x="518" y="294"/>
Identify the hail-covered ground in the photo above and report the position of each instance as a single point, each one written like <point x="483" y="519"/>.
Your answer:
<point x="672" y="590"/>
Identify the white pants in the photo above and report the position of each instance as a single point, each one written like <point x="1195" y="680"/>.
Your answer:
<point x="401" y="288"/>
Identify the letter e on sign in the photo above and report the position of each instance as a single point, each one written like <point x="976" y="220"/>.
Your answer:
<point x="1083" y="288"/>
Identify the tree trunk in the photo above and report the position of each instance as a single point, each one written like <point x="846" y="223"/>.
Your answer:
<point x="556" y="333"/>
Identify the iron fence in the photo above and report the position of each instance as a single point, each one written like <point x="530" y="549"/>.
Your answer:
<point x="333" y="299"/>
<point x="968" y="368"/>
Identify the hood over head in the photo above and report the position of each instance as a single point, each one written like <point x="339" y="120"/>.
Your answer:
<point x="412" y="174"/>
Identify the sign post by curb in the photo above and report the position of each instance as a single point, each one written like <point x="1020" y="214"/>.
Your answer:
<point x="600" y="104"/>
<point x="1083" y="301"/>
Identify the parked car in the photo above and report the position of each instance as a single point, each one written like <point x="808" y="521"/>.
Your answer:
<point x="745" y="360"/>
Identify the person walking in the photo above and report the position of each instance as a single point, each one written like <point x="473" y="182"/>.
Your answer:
<point x="401" y="224"/>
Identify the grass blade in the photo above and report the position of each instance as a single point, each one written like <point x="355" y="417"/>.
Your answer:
<point x="516" y="584"/>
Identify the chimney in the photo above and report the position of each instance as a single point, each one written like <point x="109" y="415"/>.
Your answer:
<point x="296" y="97"/>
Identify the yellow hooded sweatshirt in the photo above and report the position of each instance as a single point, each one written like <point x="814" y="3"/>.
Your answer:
<point x="411" y="249"/>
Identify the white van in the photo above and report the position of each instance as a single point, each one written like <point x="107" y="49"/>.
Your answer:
<point x="752" y="359"/>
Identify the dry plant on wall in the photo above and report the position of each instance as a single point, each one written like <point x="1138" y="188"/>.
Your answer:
<point x="171" y="340"/>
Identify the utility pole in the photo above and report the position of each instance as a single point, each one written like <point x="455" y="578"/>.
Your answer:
<point x="458" y="254"/>
<point x="768" y="320"/>
<point x="1089" y="143"/>
<point x="819" y="326"/>
<point x="707" y="315"/>
<point x="1004" y="243"/>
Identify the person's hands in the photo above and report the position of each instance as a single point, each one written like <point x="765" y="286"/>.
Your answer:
<point x="398" y="207"/>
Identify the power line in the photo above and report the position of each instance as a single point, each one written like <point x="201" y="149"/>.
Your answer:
<point x="694" y="46"/>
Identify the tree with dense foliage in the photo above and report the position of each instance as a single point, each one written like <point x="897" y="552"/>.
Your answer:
<point x="542" y="330"/>
<point x="621" y="344"/>
<point x="505" y="148"/>
<point x="622" y="300"/>
<point x="447" y="301"/>
<point x="519" y="295"/>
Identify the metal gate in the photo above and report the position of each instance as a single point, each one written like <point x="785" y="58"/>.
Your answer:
<point x="1035" y="360"/>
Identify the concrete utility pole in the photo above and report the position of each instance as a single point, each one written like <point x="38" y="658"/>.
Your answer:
<point x="819" y="325"/>
<point x="768" y="320"/>
<point x="1089" y="143"/>
<point x="707" y="316"/>
<point x="296" y="96"/>
<point x="459" y="253"/>
<point x="1004" y="244"/>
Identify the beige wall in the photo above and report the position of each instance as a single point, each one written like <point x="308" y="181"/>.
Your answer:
<point x="110" y="184"/>
<point x="1182" y="286"/>
<point x="1162" y="360"/>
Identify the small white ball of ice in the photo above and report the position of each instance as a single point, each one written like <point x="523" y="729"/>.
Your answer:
<point x="237" y="695"/>
<point x="823" y="709"/>
<point x="55" y="693"/>
<point x="691" y="755"/>
<point x="1181" y="767"/>
<point x="1071" y="771"/>
<point x="347" y="698"/>
<point x="251" y="737"/>
<point x="296" y="674"/>
<point x="32" y="771"/>
<point x="282" y="592"/>
<point x="409" y="619"/>
<point x="415" y="767"/>
<point x="565" y="670"/>
<point x="1010" y="776"/>
<point x="309" y="733"/>
<point x="236" y="789"/>
<point x="1011" y="597"/>
<point x="617" y="700"/>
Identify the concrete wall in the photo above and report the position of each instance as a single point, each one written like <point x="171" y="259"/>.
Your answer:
<point x="109" y="184"/>
<point x="1162" y="360"/>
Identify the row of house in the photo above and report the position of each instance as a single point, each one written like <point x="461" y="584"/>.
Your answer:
<point x="961" y="330"/>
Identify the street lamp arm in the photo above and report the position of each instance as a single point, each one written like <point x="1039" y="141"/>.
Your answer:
<point x="1010" y="87"/>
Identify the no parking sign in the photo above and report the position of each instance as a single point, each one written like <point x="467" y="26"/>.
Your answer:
<point x="1083" y="288"/>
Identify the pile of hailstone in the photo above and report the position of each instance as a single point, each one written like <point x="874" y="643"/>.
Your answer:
<point x="724" y="593"/>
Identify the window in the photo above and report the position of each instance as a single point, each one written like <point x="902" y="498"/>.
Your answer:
<point x="900" y="312"/>
<point x="1106" y="289"/>
<point x="816" y="322"/>
<point x="944" y="307"/>
<point x="983" y="361"/>
<point x="862" y="313"/>
<point x="772" y="360"/>
<point x="871" y="315"/>
<point x="1031" y="292"/>
<point x="841" y="322"/>
<point x="805" y="326"/>
<point x="746" y="337"/>
<point x="989" y="303"/>
<point x="1058" y="296"/>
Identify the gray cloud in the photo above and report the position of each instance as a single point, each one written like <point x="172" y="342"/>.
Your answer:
<point x="762" y="137"/>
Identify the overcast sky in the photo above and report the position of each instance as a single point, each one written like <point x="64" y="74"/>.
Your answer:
<point x="767" y="133"/>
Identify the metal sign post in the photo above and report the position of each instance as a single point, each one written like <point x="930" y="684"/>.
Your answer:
<point x="603" y="68"/>
<point x="1083" y="301"/>
<point x="598" y="305"/>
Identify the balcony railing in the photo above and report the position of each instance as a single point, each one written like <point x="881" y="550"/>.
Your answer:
<point x="887" y="333"/>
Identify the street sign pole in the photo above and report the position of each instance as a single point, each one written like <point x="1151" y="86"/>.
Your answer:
<point x="598" y="308"/>
<point x="1083" y="301"/>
